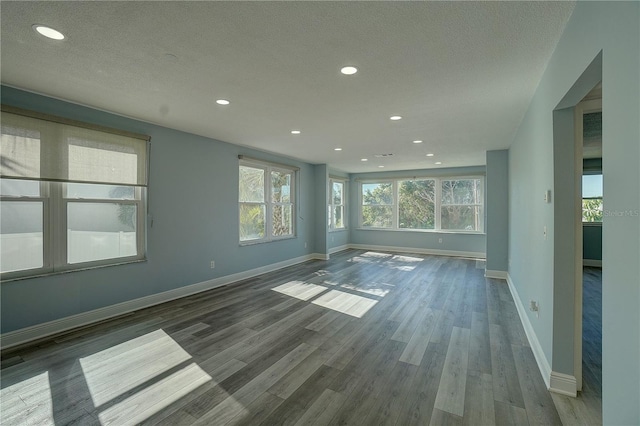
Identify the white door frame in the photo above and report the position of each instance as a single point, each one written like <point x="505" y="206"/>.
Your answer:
<point x="584" y="107"/>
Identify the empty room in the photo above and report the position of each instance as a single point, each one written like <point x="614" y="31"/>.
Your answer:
<point x="270" y="213"/>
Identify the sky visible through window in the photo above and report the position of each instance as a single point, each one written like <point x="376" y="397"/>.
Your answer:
<point x="591" y="186"/>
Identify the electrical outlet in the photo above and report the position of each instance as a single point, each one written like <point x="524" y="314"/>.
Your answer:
<point x="440" y="240"/>
<point x="213" y="264"/>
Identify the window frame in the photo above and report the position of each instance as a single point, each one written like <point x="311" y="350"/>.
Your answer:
<point x="55" y="232"/>
<point x="332" y="205"/>
<point x="269" y="204"/>
<point x="395" y="226"/>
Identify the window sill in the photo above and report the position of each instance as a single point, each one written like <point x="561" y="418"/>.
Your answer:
<point x="272" y="240"/>
<point x="69" y="271"/>
<point x="338" y="230"/>
<point x="423" y="231"/>
<point x="597" y="224"/>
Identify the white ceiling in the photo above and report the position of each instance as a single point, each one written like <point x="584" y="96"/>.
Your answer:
<point x="460" y="73"/>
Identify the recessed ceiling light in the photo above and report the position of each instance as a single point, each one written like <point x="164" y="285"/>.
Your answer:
<point x="349" y="70"/>
<point x="295" y="132"/>
<point x="438" y="162"/>
<point x="382" y="167"/>
<point x="364" y="159"/>
<point x="395" y="117"/>
<point x="337" y="149"/>
<point x="222" y="102"/>
<point x="429" y="155"/>
<point x="48" y="32"/>
<point x="417" y="141"/>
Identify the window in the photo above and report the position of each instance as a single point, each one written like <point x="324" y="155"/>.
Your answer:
<point x="592" y="198"/>
<point x="377" y="205"/>
<point x="266" y="201"/>
<point x="451" y="204"/>
<point x="461" y="207"/>
<point x="71" y="197"/>
<point x="337" y="199"/>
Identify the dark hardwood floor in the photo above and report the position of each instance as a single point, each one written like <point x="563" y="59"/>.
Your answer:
<point x="366" y="338"/>
<point x="592" y="330"/>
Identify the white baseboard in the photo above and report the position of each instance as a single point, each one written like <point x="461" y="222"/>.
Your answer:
<point x="500" y="275"/>
<point x="320" y="256"/>
<point x="453" y="253"/>
<point x="40" y="331"/>
<point x="563" y="384"/>
<point x="538" y="353"/>
<point x="592" y="262"/>
<point x="339" y="248"/>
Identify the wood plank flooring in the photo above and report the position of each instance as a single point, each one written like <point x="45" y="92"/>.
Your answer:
<point x="367" y="338"/>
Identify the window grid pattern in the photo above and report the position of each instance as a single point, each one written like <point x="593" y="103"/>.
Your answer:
<point x="453" y="204"/>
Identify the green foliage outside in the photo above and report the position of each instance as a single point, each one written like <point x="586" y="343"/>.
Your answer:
<point x="592" y="210"/>
<point x="416" y="204"/>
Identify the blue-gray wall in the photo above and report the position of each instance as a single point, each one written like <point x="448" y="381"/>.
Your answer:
<point x="592" y="242"/>
<point x="193" y="198"/>
<point x="613" y="28"/>
<point x="421" y="240"/>
<point x="321" y="196"/>
<point x="497" y="210"/>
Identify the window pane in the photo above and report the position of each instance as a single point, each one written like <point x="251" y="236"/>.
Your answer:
<point x="592" y="186"/>
<point x="106" y="192"/>
<point x="377" y="193"/>
<point x="21" y="236"/>
<point x="461" y="218"/>
<point x="19" y="188"/>
<point x="282" y="224"/>
<point x="338" y="215"/>
<point x="377" y="216"/>
<point x="280" y="187"/>
<point x="97" y="231"/>
<point x="462" y="191"/>
<point x="592" y="210"/>
<point x="337" y="192"/>
<point x="416" y="204"/>
<point x="251" y="184"/>
<point x="252" y="223"/>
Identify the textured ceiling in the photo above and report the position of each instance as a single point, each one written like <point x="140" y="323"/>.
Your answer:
<point x="460" y="73"/>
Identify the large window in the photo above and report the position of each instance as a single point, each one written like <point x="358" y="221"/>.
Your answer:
<point x="266" y="201"/>
<point x="71" y="197"/>
<point x="451" y="204"/>
<point x="592" y="198"/>
<point x="337" y="203"/>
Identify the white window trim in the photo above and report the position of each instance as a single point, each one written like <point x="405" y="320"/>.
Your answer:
<point x="54" y="229"/>
<point x="268" y="168"/>
<point x="332" y="206"/>
<point x="438" y="205"/>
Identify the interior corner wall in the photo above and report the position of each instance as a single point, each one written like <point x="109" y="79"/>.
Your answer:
<point x="321" y="197"/>
<point x="193" y="198"/>
<point x="613" y="29"/>
<point x="497" y="210"/>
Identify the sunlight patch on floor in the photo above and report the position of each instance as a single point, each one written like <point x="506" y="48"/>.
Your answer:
<point x="37" y="392"/>
<point x="347" y="303"/>
<point x="119" y="369"/>
<point x="300" y="289"/>
<point x="152" y="399"/>
<point x="373" y="289"/>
